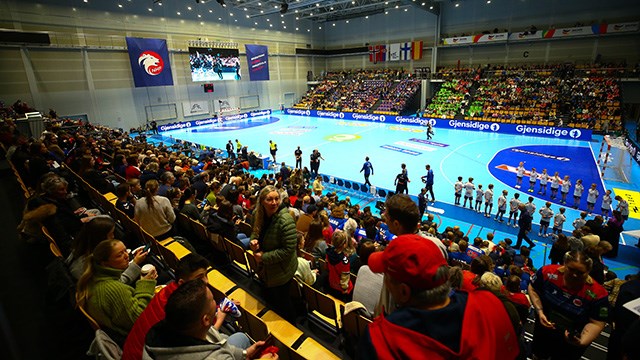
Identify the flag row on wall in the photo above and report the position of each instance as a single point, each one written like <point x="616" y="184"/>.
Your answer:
<point x="396" y="52"/>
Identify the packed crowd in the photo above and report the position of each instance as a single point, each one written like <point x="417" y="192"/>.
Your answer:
<point x="361" y="91"/>
<point x="448" y="101"/>
<point x="402" y="261"/>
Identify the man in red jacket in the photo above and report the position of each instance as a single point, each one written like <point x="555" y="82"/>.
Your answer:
<point x="191" y="267"/>
<point x="431" y="321"/>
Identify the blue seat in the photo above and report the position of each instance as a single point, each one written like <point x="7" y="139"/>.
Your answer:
<point x="364" y="188"/>
<point x="339" y="182"/>
<point x="382" y="193"/>
<point x="356" y="186"/>
<point x="325" y="178"/>
<point x="347" y="184"/>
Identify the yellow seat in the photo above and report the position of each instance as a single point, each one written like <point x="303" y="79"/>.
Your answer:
<point x="311" y="349"/>
<point x="247" y="301"/>
<point x="220" y="281"/>
<point x="281" y="328"/>
<point x="178" y="250"/>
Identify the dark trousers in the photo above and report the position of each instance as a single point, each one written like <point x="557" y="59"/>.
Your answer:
<point x="366" y="180"/>
<point x="429" y="188"/>
<point x="279" y="299"/>
<point x="299" y="163"/>
<point x="522" y="235"/>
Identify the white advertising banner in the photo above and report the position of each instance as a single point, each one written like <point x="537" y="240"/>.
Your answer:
<point x="193" y="108"/>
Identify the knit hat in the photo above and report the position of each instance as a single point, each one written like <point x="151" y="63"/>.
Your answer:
<point x="410" y="259"/>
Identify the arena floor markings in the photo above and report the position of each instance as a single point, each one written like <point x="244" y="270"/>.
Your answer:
<point x="487" y="157"/>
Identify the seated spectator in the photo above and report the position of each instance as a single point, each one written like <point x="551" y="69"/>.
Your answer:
<point x="125" y="201"/>
<point x="369" y="285"/>
<point x="462" y="255"/>
<point x="314" y="242"/>
<point x="523" y="260"/>
<point x="187" y="205"/>
<point x="224" y="223"/>
<point x="338" y="266"/>
<point x="113" y="304"/>
<point x="304" y="272"/>
<point x="154" y="213"/>
<point x="190" y="267"/>
<point x="188" y="329"/>
<point x="429" y="317"/>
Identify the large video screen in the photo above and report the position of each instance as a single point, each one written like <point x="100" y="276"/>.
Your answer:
<point x="211" y="64"/>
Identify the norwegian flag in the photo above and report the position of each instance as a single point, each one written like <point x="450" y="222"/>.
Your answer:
<point x="377" y="53"/>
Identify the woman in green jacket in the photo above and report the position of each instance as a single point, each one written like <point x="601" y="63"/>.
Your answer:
<point x="110" y="302"/>
<point x="273" y="242"/>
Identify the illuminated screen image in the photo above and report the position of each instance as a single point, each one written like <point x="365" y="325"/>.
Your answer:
<point x="211" y="64"/>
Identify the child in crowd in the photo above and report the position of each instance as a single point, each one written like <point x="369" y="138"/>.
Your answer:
<point x="339" y="266"/>
<point x="519" y="174"/>
<point x="544" y="178"/>
<point x="502" y="206"/>
<point x="513" y="210"/>
<point x="533" y="177"/>
<point x="581" y="221"/>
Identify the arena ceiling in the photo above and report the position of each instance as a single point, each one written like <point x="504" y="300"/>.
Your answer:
<point x="314" y="10"/>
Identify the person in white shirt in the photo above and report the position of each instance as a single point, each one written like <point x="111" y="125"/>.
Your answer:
<point x="468" y="193"/>
<point x="533" y="177"/>
<point x="581" y="221"/>
<point x="488" y="201"/>
<point x="605" y="207"/>
<point x="577" y="193"/>
<point x="566" y="185"/>
<point x="519" y="174"/>
<point x="544" y="178"/>
<point x="530" y="206"/>
<point x="513" y="210"/>
<point x="546" y="214"/>
<point x="592" y="197"/>
<point x="558" y="221"/>
<point x="623" y="207"/>
<point x="479" y="196"/>
<point x="502" y="206"/>
<point x="458" y="190"/>
<point x="555" y="184"/>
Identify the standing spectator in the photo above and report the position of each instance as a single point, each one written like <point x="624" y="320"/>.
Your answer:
<point x="229" y="148"/>
<point x="592" y="197"/>
<point x="566" y="325"/>
<point x="273" y="148"/>
<point x="488" y="201"/>
<point x="428" y="180"/>
<point x="298" y="155"/>
<point x="423" y="201"/>
<point x="417" y="276"/>
<point x="154" y="213"/>
<point x="273" y="242"/>
<point x="457" y="187"/>
<point x="623" y="207"/>
<point x="559" y="248"/>
<point x="577" y="193"/>
<point x="525" y="226"/>
<point x="368" y="170"/>
<point x="546" y="214"/>
<point x="611" y="233"/>
<point x="315" y="162"/>
<point x="519" y="174"/>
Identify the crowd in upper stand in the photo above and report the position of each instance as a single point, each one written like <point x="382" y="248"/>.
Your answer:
<point x="562" y="94"/>
<point x="384" y="90"/>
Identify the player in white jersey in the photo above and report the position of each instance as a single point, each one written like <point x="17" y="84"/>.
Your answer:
<point x="530" y="206"/>
<point x="458" y="189"/>
<point x="502" y="206"/>
<point x="566" y="185"/>
<point x="555" y="184"/>
<point x="592" y="197"/>
<point x="468" y="193"/>
<point x="479" y="197"/>
<point x="519" y="174"/>
<point x="581" y="221"/>
<point x="558" y="221"/>
<point x="544" y="178"/>
<point x="488" y="201"/>
<point x="546" y="214"/>
<point x="605" y="207"/>
<point x="533" y="177"/>
<point x="513" y="210"/>
<point x="623" y="207"/>
<point x="577" y="193"/>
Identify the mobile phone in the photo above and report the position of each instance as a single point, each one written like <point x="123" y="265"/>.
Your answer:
<point x="203" y="203"/>
<point x="146" y="248"/>
<point x="267" y="342"/>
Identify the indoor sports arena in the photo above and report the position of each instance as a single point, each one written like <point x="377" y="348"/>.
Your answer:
<point x="304" y="179"/>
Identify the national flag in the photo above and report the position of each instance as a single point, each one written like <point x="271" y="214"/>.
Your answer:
<point x="394" y="52"/>
<point x="149" y="62"/>
<point x="377" y="53"/>
<point x="382" y="52"/>
<point x="405" y="51"/>
<point x="416" y="50"/>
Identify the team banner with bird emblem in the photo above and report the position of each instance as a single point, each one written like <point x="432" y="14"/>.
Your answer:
<point x="149" y="62"/>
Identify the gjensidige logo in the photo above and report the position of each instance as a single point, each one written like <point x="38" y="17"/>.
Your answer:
<point x="151" y="62"/>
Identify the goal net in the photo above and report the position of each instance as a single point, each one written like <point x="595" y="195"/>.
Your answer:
<point x="614" y="160"/>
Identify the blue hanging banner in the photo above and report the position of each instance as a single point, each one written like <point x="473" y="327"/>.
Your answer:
<point x="258" y="60"/>
<point x="149" y="62"/>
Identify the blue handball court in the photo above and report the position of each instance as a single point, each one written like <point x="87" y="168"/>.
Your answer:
<point x="458" y="148"/>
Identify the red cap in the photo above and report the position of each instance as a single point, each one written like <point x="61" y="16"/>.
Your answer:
<point x="410" y="259"/>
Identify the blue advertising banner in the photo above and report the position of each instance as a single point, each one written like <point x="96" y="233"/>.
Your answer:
<point x="214" y="120"/>
<point x="514" y="129"/>
<point x="149" y="62"/>
<point x="258" y="60"/>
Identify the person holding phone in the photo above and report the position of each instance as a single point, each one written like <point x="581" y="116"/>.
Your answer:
<point x="571" y="308"/>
